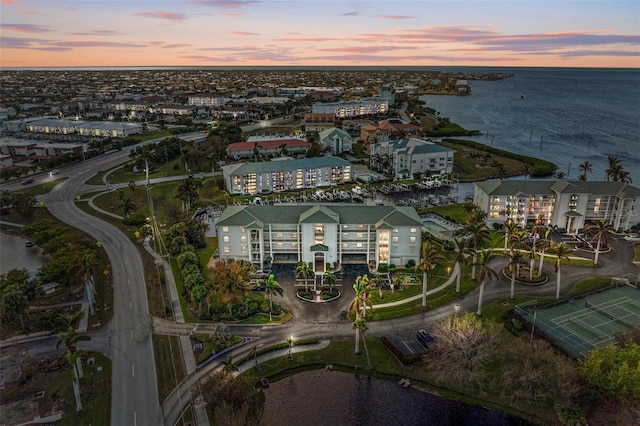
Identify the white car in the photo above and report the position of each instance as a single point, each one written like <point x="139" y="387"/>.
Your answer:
<point x="631" y="238"/>
<point x="54" y="172"/>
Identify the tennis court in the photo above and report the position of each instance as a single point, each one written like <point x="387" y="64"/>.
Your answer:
<point x="582" y="324"/>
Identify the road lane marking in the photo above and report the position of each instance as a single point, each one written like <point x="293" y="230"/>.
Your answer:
<point x="133" y="370"/>
<point x="130" y="305"/>
<point x="129" y="280"/>
<point x="134" y="419"/>
<point x="132" y="334"/>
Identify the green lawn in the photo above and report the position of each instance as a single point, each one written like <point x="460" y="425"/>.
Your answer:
<point x="169" y="364"/>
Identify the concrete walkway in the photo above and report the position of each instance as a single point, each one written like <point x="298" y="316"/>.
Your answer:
<point x="251" y="362"/>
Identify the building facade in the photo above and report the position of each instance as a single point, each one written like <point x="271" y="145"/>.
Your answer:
<point x="320" y="234"/>
<point x="337" y="140"/>
<point x="407" y="157"/>
<point x="285" y="175"/>
<point x="357" y="108"/>
<point x="569" y="205"/>
<point x="268" y="148"/>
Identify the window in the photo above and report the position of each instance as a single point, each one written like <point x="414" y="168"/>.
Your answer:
<point x="345" y="226"/>
<point x="394" y="239"/>
<point x="225" y="239"/>
<point x="279" y="245"/>
<point x="345" y="245"/>
<point x="414" y="230"/>
<point x="359" y="245"/>
<point x="396" y="230"/>
<point x="360" y="226"/>
<point x="412" y="239"/>
<point x="227" y="249"/>
<point x="278" y="234"/>
<point x="345" y="235"/>
<point x="243" y="238"/>
<point x="225" y="229"/>
<point x="359" y="235"/>
<point x="244" y="249"/>
<point x="242" y="229"/>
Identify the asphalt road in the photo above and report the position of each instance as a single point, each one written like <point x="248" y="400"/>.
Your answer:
<point x="134" y="385"/>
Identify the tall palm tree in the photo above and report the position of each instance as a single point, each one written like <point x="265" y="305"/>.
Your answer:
<point x="127" y="206"/>
<point x="460" y="253"/>
<point x="612" y="168"/>
<point x="562" y="252"/>
<point x="509" y="227"/>
<point x="515" y="260"/>
<point x="359" y="303"/>
<point x="70" y="338"/>
<point x="304" y="271"/>
<point x="330" y="278"/>
<point x="600" y="229"/>
<point x="586" y="168"/>
<point x="360" y="324"/>
<point x="484" y="258"/>
<point x="478" y="233"/>
<point x="531" y="255"/>
<point x="429" y="259"/>
<point x="378" y="283"/>
<point x="551" y="229"/>
<point x="272" y="287"/>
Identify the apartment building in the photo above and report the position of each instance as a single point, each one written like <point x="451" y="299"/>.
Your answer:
<point x="285" y="175"/>
<point x="406" y="157"/>
<point x="318" y="122"/>
<point x="267" y="148"/>
<point x="320" y="234"/>
<point x="214" y="100"/>
<point x="356" y="108"/>
<point x="570" y="205"/>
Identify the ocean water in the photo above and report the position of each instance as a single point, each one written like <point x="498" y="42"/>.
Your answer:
<point x="567" y="116"/>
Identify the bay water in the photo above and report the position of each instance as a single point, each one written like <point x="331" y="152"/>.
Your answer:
<point x="563" y="115"/>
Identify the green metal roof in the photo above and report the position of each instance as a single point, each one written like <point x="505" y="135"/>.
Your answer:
<point x="339" y="213"/>
<point x="277" y="166"/>
<point x="533" y="186"/>
<point x="319" y="247"/>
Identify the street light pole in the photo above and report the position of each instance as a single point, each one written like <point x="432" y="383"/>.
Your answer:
<point x="290" y="341"/>
<point x="456" y="308"/>
<point x="256" y="367"/>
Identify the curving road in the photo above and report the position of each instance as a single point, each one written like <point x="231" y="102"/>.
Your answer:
<point x="134" y="385"/>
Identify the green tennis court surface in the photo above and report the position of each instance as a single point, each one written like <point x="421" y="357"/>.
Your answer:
<point x="591" y="321"/>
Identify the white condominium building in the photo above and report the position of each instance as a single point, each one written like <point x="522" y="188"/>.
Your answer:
<point x="285" y="175"/>
<point x="570" y="205"/>
<point x="320" y="234"/>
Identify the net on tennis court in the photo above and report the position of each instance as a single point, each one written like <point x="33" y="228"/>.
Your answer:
<point x="607" y="314"/>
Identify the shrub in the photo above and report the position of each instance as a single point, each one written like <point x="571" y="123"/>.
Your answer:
<point x="137" y="219"/>
<point x="411" y="264"/>
<point x="383" y="267"/>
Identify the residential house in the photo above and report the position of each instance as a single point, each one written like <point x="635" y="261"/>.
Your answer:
<point x="337" y="140"/>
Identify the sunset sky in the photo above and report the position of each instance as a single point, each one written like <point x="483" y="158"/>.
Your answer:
<point x="574" y="33"/>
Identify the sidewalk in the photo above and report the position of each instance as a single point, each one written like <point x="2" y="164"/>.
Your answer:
<point x="250" y="362"/>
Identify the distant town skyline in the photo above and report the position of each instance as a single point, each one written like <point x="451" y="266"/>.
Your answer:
<point x="519" y="33"/>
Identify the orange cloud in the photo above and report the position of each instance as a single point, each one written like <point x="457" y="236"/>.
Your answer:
<point x="25" y="28"/>
<point x="168" y="16"/>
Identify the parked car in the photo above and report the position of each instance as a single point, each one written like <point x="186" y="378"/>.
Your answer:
<point x="27" y="181"/>
<point x="633" y="239"/>
<point x="54" y="172"/>
<point x="424" y="338"/>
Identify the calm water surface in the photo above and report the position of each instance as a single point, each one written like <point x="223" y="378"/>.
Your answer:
<point x="15" y="255"/>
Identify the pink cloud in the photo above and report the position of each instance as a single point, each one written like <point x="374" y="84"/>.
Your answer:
<point x="168" y="16"/>
<point x="226" y="4"/>
<point x="175" y="45"/>
<point x="25" y="28"/>
<point x="308" y="39"/>
<point x="365" y="49"/>
<point x="243" y="33"/>
<point x="97" y="33"/>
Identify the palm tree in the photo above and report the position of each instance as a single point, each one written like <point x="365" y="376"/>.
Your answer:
<point x="378" y="283"/>
<point x="360" y="324"/>
<point x="430" y="259"/>
<point x="509" y="227"/>
<point x="330" y="278"/>
<point x="460" y="253"/>
<point x="562" y="252"/>
<point x="229" y="365"/>
<point x="601" y="228"/>
<point x="70" y="319"/>
<point x="127" y="206"/>
<point x="561" y="175"/>
<point x="360" y="302"/>
<point x="272" y="287"/>
<point x="515" y="260"/>
<point x="531" y="255"/>
<point x="551" y="229"/>
<point x="478" y="232"/>
<point x="585" y="168"/>
<point x="484" y="258"/>
<point x="74" y="361"/>
<point x="613" y="167"/>
<point x="70" y="338"/>
<point x="303" y="270"/>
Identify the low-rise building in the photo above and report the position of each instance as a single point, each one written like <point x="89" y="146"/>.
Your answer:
<point x="357" y="108"/>
<point x="285" y="175"/>
<point x="318" y="122"/>
<point x="569" y="205"/>
<point x="267" y="148"/>
<point x="405" y="158"/>
<point x="337" y="140"/>
<point x="320" y="234"/>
